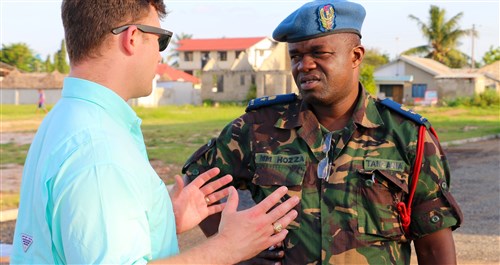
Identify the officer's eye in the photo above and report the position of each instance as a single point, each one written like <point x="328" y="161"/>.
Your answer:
<point x="321" y="54"/>
<point x="295" y="57"/>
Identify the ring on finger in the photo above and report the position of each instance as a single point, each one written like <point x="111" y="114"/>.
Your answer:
<point x="207" y="200"/>
<point x="277" y="227"/>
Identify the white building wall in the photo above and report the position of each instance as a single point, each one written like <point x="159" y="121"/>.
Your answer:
<point x="28" y="96"/>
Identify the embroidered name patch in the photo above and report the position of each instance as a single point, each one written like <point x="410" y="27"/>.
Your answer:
<point x="27" y="241"/>
<point x="280" y="159"/>
<point x="383" y="164"/>
<point x="326" y="18"/>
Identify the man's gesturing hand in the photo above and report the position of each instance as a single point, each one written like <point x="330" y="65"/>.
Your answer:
<point x="194" y="202"/>
<point x="248" y="232"/>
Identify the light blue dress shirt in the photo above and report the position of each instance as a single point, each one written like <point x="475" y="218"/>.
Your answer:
<point x="88" y="192"/>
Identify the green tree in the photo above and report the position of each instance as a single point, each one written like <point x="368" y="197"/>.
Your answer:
<point x="173" y="55"/>
<point x="373" y="59"/>
<point x="60" y="63"/>
<point x="492" y="55"/>
<point x="47" y="65"/>
<point x="442" y="36"/>
<point x="20" y="56"/>
<point x="366" y="78"/>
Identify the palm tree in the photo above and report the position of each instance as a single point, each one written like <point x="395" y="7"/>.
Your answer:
<point x="442" y="36"/>
<point x="173" y="55"/>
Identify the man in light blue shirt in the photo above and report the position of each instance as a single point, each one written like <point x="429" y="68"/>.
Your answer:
<point x="89" y="194"/>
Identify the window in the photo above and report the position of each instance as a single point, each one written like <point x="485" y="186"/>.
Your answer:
<point x="242" y="80"/>
<point x="418" y="90"/>
<point x="218" y="83"/>
<point x="188" y="56"/>
<point x="238" y="53"/>
<point x="252" y="80"/>
<point x="223" y="56"/>
<point x="204" y="58"/>
<point x="387" y="90"/>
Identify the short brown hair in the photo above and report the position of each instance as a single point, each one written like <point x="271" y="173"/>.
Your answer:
<point x="87" y="22"/>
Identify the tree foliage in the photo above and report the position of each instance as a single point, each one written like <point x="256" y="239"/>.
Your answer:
<point x="372" y="60"/>
<point x="60" y="63"/>
<point x="20" y="56"/>
<point x="48" y="66"/>
<point x="492" y="55"/>
<point x="443" y="38"/>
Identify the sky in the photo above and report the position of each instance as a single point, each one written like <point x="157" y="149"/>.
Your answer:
<point x="386" y="27"/>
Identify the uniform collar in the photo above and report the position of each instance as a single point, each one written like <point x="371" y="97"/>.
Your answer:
<point x="102" y="96"/>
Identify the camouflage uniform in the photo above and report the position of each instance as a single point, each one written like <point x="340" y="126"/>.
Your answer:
<point x="351" y="218"/>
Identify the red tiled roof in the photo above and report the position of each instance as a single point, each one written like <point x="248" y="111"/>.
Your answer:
<point x="166" y="72"/>
<point x="223" y="44"/>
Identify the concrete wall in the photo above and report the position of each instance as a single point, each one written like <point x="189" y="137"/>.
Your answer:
<point x="451" y="88"/>
<point x="232" y="90"/>
<point x="28" y="96"/>
<point x="421" y="77"/>
<point x="169" y="93"/>
<point x="178" y="93"/>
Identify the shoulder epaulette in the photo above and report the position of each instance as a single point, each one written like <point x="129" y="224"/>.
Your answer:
<point x="270" y="100"/>
<point x="407" y="113"/>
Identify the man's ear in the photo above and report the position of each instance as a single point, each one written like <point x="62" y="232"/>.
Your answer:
<point x="130" y="39"/>
<point x="358" y="53"/>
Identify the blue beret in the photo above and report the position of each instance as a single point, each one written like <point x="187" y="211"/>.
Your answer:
<point x="320" y="18"/>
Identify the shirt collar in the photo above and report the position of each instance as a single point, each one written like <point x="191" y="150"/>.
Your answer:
<point x="103" y="97"/>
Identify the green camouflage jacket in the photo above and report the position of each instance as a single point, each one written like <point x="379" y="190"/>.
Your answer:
<point x="351" y="217"/>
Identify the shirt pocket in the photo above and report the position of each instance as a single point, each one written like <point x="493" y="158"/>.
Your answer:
<point x="280" y="170"/>
<point x="379" y="192"/>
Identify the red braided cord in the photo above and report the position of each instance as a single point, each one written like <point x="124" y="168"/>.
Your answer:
<point x="405" y="209"/>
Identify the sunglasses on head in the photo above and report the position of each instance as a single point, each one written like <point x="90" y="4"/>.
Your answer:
<point x="164" y="35"/>
<point x="324" y="166"/>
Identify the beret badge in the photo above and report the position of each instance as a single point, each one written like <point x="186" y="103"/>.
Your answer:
<point x="326" y="18"/>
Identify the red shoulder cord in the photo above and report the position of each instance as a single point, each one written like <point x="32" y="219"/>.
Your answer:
<point x="405" y="209"/>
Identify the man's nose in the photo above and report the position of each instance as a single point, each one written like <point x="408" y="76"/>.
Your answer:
<point x="307" y="63"/>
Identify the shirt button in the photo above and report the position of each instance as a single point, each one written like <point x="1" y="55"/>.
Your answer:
<point x="368" y="182"/>
<point x="435" y="219"/>
<point x="195" y="172"/>
<point x="444" y="186"/>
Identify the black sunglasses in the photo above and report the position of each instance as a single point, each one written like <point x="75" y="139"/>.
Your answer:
<point x="164" y="34"/>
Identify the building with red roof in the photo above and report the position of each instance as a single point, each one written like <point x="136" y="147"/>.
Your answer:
<point x="168" y="73"/>
<point x="230" y="68"/>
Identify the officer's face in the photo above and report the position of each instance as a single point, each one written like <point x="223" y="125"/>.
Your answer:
<point x="325" y="68"/>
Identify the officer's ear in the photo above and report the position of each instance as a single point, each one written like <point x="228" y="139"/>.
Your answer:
<point x="358" y="53"/>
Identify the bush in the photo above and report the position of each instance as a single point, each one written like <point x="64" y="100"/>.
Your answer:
<point x="487" y="98"/>
<point x="252" y="92"/>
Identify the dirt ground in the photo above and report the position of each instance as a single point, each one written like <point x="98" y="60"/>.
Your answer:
<point x="475" y="185"/>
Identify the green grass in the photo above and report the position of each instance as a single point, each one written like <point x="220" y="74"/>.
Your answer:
<point x="173" y="133"/>
<point x="463" y="122"/>
<point x="13" y="153"/>
<point x="9" y="200"/>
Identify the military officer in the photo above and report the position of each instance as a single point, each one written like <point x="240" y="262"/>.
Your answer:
<point x="348" y="156"/>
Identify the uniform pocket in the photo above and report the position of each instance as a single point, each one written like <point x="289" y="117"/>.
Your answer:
<point x="274" y="171"/>
<point x="378" y="194"/>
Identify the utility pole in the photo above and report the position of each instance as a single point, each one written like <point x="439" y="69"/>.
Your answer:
<point x="472" y="46"/>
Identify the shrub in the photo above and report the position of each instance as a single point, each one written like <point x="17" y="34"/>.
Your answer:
<point x="487" y="98"/>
